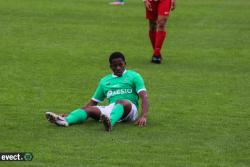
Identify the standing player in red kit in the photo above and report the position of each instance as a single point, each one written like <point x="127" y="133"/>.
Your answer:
<point x="157" y="12"/>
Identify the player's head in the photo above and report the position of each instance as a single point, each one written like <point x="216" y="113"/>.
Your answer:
<point x="117" y="63"/>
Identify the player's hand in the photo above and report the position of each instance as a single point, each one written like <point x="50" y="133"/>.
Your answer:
<point x="148" y="5"/>
<point x="142" y="121"/>
<point x="173" y="4"/>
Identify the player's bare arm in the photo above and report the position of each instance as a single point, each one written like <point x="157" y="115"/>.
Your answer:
<point x="148" y="5"/>
<point x="173" y="4"/>
<point x="142" y="121"/>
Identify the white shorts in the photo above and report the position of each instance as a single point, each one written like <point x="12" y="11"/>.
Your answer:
<point x="132" y="116"/>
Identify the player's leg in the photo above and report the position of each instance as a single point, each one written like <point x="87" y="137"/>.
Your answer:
<point x="120" y="110"/>
<point x="160" y="34"/>
<point x="163" y="13"/>
<point x="152" y="16"/>
<point x="79" y="115"/>
<point x="152" y="32"/>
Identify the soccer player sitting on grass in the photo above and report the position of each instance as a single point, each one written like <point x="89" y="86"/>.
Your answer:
<point x="122" y="89"/>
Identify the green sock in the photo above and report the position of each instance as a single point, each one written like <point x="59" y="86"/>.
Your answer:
<point x="116" y="113"/>
<point x="77" y="116"/>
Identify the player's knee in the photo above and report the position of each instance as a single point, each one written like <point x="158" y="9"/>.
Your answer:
<point x="92" y="112"/>
<point x="120" y="102"/>
<point x="161" y="23"/>
<point x="126" y="104"/>
<point x="88" y="110"/>
<point x="84" y="108"/>
<point x="123" y="102"/>
<point x="152" y="26"/>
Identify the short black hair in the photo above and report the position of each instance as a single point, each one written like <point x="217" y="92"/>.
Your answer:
<point x="116" y="55"/>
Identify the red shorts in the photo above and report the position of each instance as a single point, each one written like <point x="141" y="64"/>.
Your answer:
<point x="159" y="8"/>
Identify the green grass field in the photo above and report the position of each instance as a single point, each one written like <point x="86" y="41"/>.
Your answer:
<point x="53" y="53"/>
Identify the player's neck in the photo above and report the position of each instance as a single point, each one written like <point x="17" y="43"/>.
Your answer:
<point x="121" y="75"/>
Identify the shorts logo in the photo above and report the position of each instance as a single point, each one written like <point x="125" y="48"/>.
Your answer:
<point x="111" y="93"/>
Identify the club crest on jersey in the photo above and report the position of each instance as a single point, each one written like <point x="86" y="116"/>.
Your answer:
<point x="125" y="79"/>
<point x="111" y="93"/>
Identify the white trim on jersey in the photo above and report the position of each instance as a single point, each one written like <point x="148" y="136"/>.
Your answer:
<point x="141" y="90"/>
<point x="96" y="100"/>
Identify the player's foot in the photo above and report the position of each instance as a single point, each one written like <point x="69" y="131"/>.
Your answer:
<point x="117" y="3"/>
<point x="106" y="122"/>
<point x="156" y="59"/>
<point x="56" y="119"/>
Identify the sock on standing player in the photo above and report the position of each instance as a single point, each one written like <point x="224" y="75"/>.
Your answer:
<point x="152" y="35"/>
<point x="159" y="39"/>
